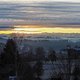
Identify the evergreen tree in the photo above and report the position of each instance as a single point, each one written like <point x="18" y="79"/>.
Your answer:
<point x="76" y="72"/>
<point x="9" y="58"/>
<point x="40" y="53"/>
<point x="30" y="56"/>
<point x="52" y="55"/>
<point x="9" y="52"/>
<point x="38" y="69"/>
<point x="26" y="72"/>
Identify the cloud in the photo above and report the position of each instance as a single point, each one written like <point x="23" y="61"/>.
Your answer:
<point x="40" y="13"/>
<point x="40" y="0"/>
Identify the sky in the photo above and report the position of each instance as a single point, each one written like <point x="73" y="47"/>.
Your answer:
<point x="49" y="14"/>
<point x="43" y="0"/>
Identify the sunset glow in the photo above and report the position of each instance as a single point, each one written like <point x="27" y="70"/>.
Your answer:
<point x="48" y="30"/>
<point x="38" y="30"/>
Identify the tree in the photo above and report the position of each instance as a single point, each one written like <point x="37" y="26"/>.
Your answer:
<point x="76" y="72"/>
<point x="57" y="77"/>
<point x="30" y="56"/>
<point x="38" y="69"/>
<point x="75" y="78"/>
<point x="38" y="78"/>
<point x="9" y="58"/>
<point x="40" y="53"/>
<point x="52" y="55"/>
<point x="26" y="71"/>
<point x="72" y="53"/>
<point x="9" y="52"/>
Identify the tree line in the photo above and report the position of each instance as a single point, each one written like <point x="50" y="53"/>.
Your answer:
<point x="14" y="64"/>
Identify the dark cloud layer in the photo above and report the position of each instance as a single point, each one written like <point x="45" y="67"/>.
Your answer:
<point x="45" y="13"/>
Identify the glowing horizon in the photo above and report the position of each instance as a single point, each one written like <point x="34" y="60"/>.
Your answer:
<point x="48" y="30"/>
<point x="38" y="30"/>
